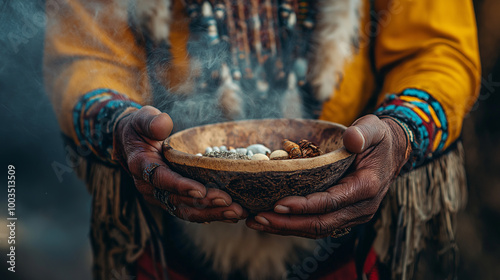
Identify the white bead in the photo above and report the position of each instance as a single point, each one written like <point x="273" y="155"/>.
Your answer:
<point x="232" y="151"/>
<point x="223" y="148"/>
<point x="216" y="149"/>
<point x="199" y="154"/>
<point x="249" y="153"/>
<point x="208" y="150"/>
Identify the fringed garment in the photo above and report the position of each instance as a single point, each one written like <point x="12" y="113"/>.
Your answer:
<point x="253" y="59"/>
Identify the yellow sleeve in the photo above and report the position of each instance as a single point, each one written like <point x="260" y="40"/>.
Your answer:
<point x="89" y="46"/>
<point x="431" y="46"/>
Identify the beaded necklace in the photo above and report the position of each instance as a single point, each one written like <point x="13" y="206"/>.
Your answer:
<point x="248" y="58"/>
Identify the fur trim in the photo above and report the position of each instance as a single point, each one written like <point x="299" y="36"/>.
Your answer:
<point x="336" y="30"/>
<point x="235" y="247"/>
<point x="153" y="18"/>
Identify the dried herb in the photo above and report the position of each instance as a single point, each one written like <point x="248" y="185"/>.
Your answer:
<point x="309" y="149"/>
<point x="226" y="155"/>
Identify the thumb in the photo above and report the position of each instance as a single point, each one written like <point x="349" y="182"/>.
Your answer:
<point x="152" y="123"/>
<point x="363" y="133"/>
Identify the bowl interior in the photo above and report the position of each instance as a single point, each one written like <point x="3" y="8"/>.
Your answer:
<point x="269" y="132"/>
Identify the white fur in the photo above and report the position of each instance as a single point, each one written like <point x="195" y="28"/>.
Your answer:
<point x="337" y="25"/>
<point x="153" y="17"/>
<point x="233" y="247"/>
<point x="236" y="247"/>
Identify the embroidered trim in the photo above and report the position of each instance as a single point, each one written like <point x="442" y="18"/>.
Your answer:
<point x="94" y="117"/>
<point x="424" y="115"/>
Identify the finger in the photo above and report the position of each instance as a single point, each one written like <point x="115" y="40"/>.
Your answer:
<point x="314" y="226"/>
<point x="152" y="123"/>
<point x="234" y="212"/>
<point x="200" y="213"/>
<point x="365" y="132"/>
<point x="358" y="186"/>
<point x="147" y="192"/>
<point x="163" y="177"/>
<point x="214" y="198"/>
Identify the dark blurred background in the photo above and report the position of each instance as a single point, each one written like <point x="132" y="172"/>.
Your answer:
<point x="53" y="209"/>
<point x="479" y="224"/>
<point x="53" y="215"/>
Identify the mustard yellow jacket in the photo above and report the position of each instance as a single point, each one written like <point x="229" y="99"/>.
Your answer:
<point x="426" y="44"/>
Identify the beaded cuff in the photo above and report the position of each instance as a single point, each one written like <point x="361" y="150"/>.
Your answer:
<point x="424" y="116"/>
<point x="94" y="118"/>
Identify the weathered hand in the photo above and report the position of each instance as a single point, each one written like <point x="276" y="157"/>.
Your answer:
<point x="138" y="145"/>
<point x="380" y="146"/>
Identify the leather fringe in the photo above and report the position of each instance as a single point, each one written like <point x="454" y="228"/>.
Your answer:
<point x="119" y="232"/>
<point x="420" y="208"/>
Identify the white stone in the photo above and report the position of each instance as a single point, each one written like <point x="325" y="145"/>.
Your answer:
<point x="259" y="149"/>
<point x="260" y="157"/>
<point x="242" y="151"/>
<point x="278" y="154"/>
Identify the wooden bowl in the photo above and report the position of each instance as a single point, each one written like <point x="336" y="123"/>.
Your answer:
<point x="257" y="185"/>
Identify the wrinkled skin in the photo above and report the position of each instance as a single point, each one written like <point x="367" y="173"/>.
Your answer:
<point x="138" y="143"/>
<point x="380" y="146"/>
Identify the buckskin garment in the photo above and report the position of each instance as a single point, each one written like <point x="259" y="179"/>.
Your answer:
<point x="335" y="60"/>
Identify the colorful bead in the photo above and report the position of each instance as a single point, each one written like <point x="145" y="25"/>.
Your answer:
<point x="424" y="115"/>
<point x="94" y="117"/>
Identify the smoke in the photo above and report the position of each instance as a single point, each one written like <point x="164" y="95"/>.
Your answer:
<point x="215" y="89"/>
<point x="205" y="105"/>
<point x="211" y="95"/>
<point x="53" y="216"/>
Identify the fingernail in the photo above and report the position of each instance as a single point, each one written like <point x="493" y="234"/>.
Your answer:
<point x="229" y="221"/>
<point x="231" y="215"/>
<point x="220" y="202"/>
<point x="195" y="194"/>
<point x="281" y="209"/>
<point x="362" y="137"/>
<point x="261" y="220"/>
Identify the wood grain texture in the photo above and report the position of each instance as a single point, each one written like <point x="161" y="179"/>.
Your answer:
<point x="257" y="185"/>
